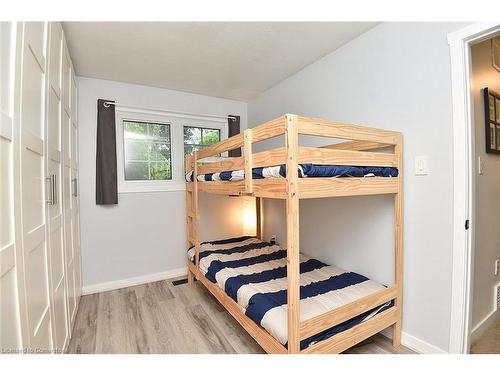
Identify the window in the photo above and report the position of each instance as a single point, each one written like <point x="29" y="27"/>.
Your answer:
<point x="197" y="138"/>
<point x="147" y="151"/>
<point x="151" y="145"/>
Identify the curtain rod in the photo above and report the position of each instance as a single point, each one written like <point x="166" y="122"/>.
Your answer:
<point x="108" y="103"/>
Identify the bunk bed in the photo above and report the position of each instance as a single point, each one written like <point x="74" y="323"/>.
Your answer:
<point x="368" y="161"/>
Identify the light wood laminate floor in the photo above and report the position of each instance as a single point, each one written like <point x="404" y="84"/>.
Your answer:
<point x="489" y="342"/>
<point x="164" y="318"/>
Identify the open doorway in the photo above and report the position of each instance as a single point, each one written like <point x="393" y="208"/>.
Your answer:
<point x="474" y="214"/>
<point x="485" y="282"/>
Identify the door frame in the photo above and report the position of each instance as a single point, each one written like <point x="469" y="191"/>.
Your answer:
<point x="463" y="183"/>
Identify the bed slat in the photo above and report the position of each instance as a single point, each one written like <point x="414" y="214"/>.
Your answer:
<point x="269" y="129"/>
<point x="270" y="188"/>
<point x="222" y="187"/>
<point x="223" y="146"/>
<point x="276" y="156"/>
<point x="357" y="145"/>
<point x="335" y="129"/>
<point x="343" y="313"/>
<point x="322" y="187"/>
<point x="229" y="164"/>
<point x="318" y="155"/>
<point x="346" y="339"/>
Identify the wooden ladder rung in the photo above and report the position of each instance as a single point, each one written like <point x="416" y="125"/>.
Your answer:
<point x="191" y="240"/>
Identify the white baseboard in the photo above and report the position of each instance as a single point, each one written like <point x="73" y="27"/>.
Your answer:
<point x="415" y="344"/>
<point x="483" y="325"/>
<point x="124" y="283"/>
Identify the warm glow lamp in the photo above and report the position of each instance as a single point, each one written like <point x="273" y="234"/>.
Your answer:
<point x="249" y="216"/>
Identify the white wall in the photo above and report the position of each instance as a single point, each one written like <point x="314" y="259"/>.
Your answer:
<point x="487" y="233"/>
<point x="145" y="232"/>
<point x="395" y="76"/>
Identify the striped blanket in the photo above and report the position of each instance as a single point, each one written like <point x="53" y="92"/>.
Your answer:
<point x="305" y="170"/>
<point x="253" y="273"/>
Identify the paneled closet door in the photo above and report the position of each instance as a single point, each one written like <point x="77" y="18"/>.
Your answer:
<point x="33" y="183"/>
<point x="12" y="308"/>
<point x="67" y="191"/>
<point x="58" y="289"/>
<point x="75" y="204"/>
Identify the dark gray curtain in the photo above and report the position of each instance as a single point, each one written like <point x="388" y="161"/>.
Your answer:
<point x="106" y="188"/>
<point x="234" y="128"/>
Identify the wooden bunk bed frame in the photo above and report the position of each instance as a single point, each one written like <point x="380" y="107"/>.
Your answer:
<point x="356" y="151"/>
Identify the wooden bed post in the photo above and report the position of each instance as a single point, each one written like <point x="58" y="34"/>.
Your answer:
<point x="189" y="213"/>
<point x="192" y="214"/>
<point x="292" y="234"/>
<point x="258" y="217"/>
<point x="247" y="148"/>
<point x="398" y="244"/>
<point x="196" y="212"/>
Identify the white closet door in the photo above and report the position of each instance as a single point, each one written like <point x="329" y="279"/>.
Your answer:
<point x="58" y="290"/>
<point x="67" y="191"/>
<point x="75" y="204"/>
<point x="39" y="225"/>
<point x="32" y="121"/>
<point x="10" y="307"/>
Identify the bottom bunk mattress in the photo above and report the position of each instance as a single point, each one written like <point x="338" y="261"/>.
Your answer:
<point x="253" y="273"/>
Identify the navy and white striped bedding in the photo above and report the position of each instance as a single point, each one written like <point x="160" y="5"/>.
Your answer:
<point x="305" y="170"/>
<point x="253" y="273"/>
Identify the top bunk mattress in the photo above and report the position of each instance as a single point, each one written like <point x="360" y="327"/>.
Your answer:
<point x="253" y="273"/>
<point x="305" y="170"/>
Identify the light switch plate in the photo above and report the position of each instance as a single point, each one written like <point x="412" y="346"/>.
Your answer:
<point x="421" y="165"/>
<point x="480" y="165"/>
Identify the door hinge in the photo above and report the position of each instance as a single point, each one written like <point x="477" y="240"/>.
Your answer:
<point x="467" y="224"/>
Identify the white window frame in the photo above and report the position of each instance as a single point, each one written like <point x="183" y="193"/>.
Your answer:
<point x="177" y="123"/>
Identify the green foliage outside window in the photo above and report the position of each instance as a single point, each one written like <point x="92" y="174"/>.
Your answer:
<point x="197" y="138"/>
<point x="147" y="151"/>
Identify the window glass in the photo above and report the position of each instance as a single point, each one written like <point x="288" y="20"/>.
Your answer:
<point x="197" y="138"/>
<point x="147" y="151"/>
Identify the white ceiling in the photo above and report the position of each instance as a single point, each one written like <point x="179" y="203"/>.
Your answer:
<point x="228" y="60"/>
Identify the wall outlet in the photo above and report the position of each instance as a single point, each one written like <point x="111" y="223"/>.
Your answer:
<point x="421" y="165"/>
<point x="273" y="239"/>
<point x="497" y="265"/>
